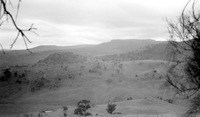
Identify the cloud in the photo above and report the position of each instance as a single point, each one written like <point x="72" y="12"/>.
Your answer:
<point x="71" y="22"/>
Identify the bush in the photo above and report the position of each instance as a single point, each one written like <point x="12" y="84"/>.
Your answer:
<point x="38" y="84"/>
<point x="130" y="98"/>
<point x="65" y="111"/>
<point x="160" y="98"/>
<point x="117" y="113"/>
<point x="169" y="100"/>
<point x="82" y="108"/>
<point x="194" y="108"/>
<point x="6" y="74"/>
<point x="65" y="108"/>
<point x="111" y="108"/>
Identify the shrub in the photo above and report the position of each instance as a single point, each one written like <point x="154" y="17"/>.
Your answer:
<point x="130" y="98"/>
<point x="111" y="108"/>
<point x="6" y="74"/>
<point x="65" y="108"/>
<point x="159" y="97"/>
<point x="15" y="73"/>
<point x="117" y="113"/>
<point x="194" y="107"/>
<point x="169" y="100"/>
<point x="65" y="111"/>
<point x="38" y="84"/>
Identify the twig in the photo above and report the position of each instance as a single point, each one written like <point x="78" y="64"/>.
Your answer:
<point x="20" y="31"/>
<point x="2" y="48"/>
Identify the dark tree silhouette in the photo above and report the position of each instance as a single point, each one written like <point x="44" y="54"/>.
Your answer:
<point x="82" y="108"/>
<point x="6" y="74"/>
<point x="185" y="51"/>
<point x="184" y="46"/>
<point x="5" y="15"/>
<point x="111" y="108"/>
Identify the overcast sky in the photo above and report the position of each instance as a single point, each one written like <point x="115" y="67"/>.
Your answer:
<point x="72" y="22"/>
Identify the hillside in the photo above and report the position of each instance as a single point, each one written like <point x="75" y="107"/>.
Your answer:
<point x="51" y="78"/>
<point x="61" y="58"/>
<point x="51" y="85"/>
<point x="134" y="108"/>
<point x="97" y="81"/>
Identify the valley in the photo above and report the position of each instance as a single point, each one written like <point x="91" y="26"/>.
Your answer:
<point x="129" y="73"/>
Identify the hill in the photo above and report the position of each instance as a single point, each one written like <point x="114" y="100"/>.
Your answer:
<point x="94" y="80"/>
<point x="120" y="71"/>
<point x="115" y="47"/>
<point x="152" y="52"/>
<point x="112" y="47"/>
<point x="54" y="47"/>
<point x="100" y="82"/>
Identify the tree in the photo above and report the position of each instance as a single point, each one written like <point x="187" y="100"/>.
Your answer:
<point x="5" y="15"/>
<point x="185" y="51"/>
<point x="184" y="47"/>
<point x="111" y="108"/>
<point x="65" y="109"/>
<point x="82" y="108"/>
<point x="6" y="74"/>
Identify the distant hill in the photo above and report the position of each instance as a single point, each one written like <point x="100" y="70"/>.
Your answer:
<point x="54" y="47"/>
<point x="107" y="48"/>
<point x="116" y="47"/>
<point x="152" y="52"/>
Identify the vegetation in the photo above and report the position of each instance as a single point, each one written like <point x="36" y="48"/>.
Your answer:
<point x="185" y="53"/>
<point x="184" y="45"/>
<point x="38" y="84"/>
<point x="195" y="106"/>
<point x="82" y="108"/>
<point x="111" y="108"/>
<point x="169" y="101"/>
<point x="61" y="58"/>
<point x="6" y="14"/>
<point x="6" y="74"/>
<point x="129" y="98"/>
<point x="65" y="109"/>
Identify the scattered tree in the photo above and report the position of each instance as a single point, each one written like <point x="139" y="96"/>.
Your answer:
<point x="38" y="84"/>
<point x="6" y="74"/>
<point x="111" y="108"/>
<point x="130" y="98"/>
<point x="82" y="108"/>
<point x="65" y="109"/>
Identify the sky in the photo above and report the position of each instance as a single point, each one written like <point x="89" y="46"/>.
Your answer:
<point x="74" y="22"/>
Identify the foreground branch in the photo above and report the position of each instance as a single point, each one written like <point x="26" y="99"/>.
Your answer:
<point x="5" y="12"/>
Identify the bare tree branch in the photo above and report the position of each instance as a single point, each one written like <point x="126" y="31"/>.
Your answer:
<point x="6" y="13"/>
<point x="185" y="51"/>
<point x="2" y="48"/>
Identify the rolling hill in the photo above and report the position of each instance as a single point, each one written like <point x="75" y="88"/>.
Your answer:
<point x="97" y="81"/>
<point x="114" y="71"/>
